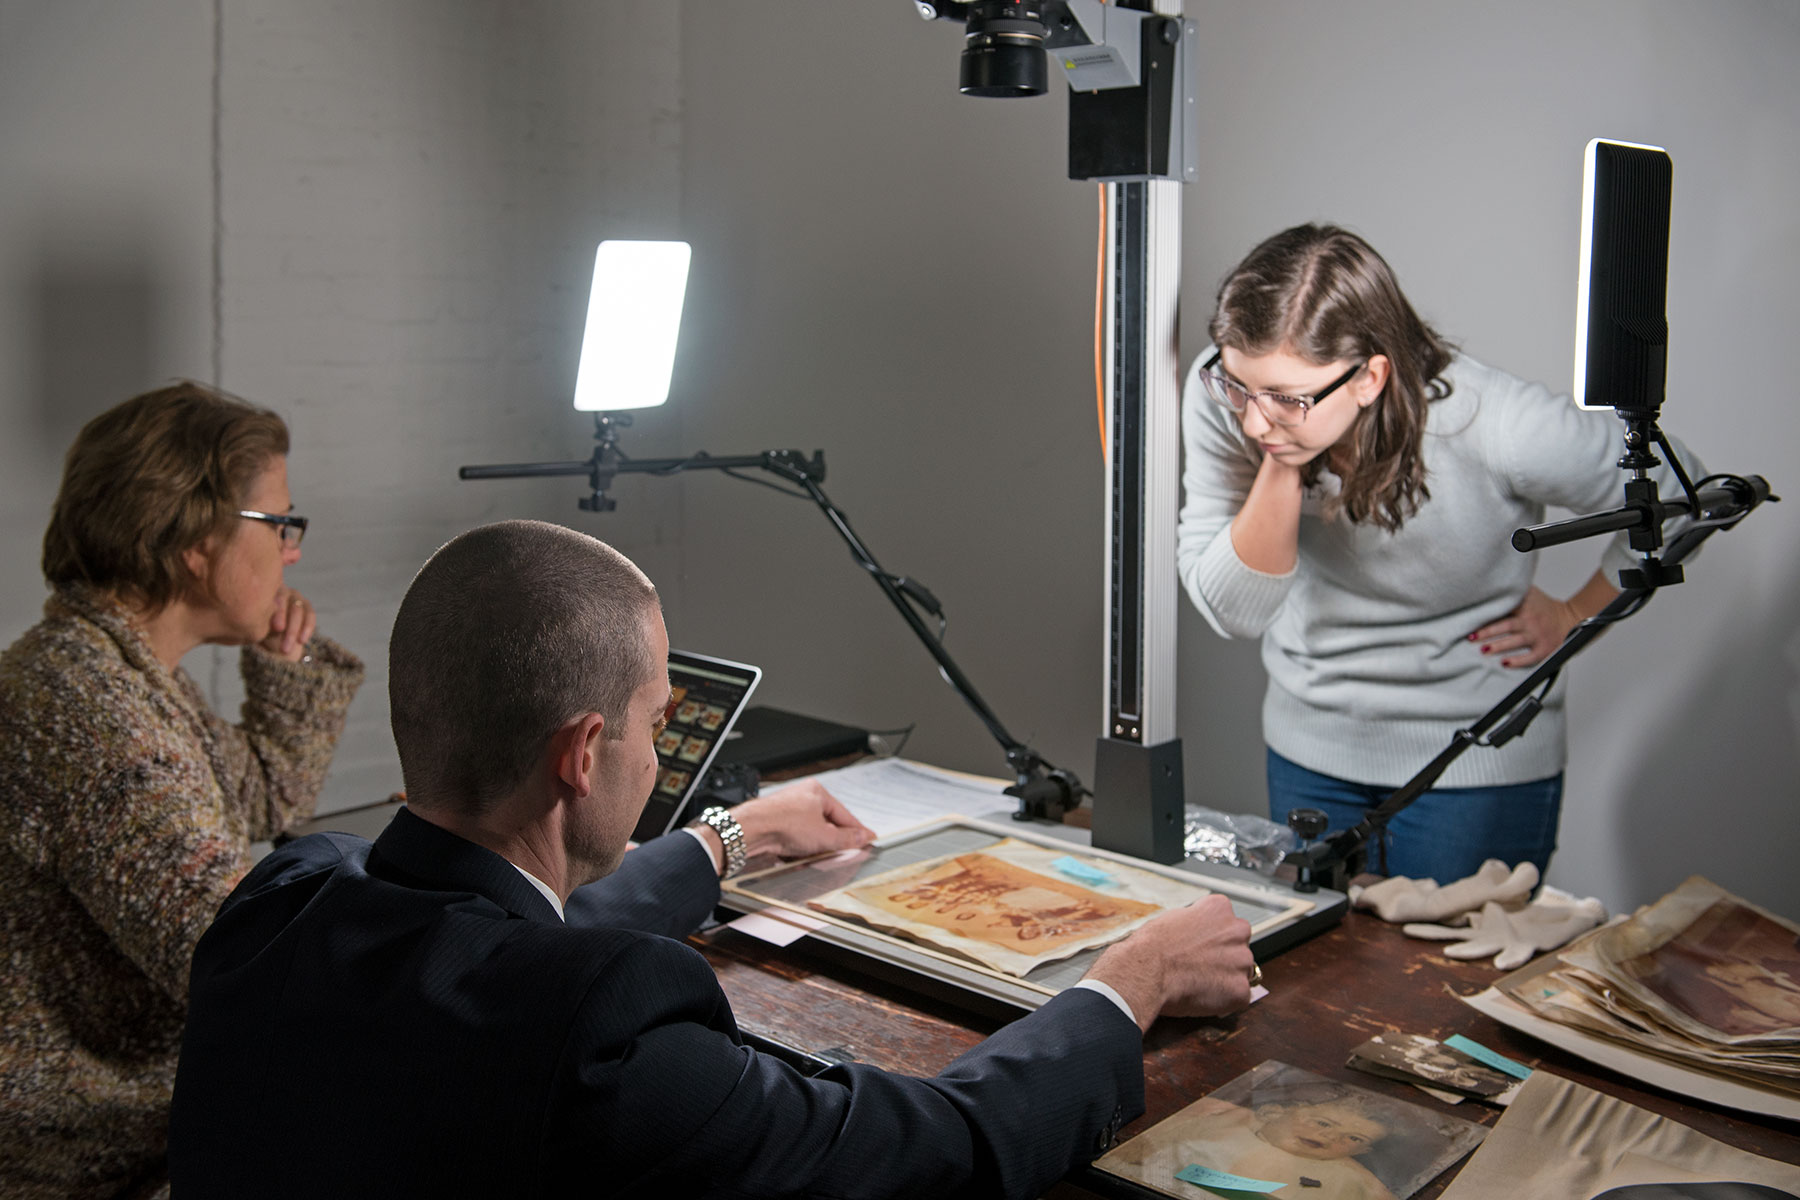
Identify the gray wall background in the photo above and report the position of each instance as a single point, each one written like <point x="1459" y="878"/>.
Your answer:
<point x="378" y="218"/>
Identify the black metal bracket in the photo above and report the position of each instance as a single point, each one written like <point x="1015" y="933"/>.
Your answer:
<point x="1043" y="791"/>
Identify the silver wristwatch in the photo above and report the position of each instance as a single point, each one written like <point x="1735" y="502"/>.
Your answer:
<point x="731" y="836"/>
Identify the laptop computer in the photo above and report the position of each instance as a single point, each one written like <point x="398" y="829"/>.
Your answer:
<point x="710" y="694"/>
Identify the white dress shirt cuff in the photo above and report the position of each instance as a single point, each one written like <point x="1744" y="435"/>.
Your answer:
<point x="712" y="851"/>
<point x="1094" y="985"/>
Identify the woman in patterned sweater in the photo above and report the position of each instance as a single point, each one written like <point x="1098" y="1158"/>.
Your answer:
<point x="127" y="808"/>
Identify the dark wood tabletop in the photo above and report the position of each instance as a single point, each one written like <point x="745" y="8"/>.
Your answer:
<point x="1326" y="996"/>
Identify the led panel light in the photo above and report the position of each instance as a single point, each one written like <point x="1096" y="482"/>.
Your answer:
<point x="1621" y="331"/>
<point x="634" y="317"/>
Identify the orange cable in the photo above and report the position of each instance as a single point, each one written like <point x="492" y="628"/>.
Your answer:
<point x="1099" y="316"/>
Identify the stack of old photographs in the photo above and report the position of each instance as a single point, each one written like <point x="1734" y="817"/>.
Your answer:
<point x="1701" y="978"/>
<point x="1431" y="1066"/>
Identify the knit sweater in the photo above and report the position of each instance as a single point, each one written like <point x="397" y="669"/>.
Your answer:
<point x="127" y="810"/>
<point x="1366" y="640"/>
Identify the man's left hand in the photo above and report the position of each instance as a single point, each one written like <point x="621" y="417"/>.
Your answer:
<point x="799" y="820"/>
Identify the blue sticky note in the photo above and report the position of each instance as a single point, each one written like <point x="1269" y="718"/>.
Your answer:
<point x="1206" y="1177"/>
<point x="1076" y="869"/>
<point x="1482" y="1054"/>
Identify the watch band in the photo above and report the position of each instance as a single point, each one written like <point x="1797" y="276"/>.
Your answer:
<point x="731" y="836"/>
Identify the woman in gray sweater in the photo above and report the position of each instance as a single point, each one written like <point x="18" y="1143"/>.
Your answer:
<point x="1351" y="486"/>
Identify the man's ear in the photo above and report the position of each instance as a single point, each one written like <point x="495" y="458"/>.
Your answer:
<point x="577" y="748"/>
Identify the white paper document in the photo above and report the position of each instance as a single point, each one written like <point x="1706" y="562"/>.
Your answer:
<point x="891" y="794"/>
<point x="777" y="928"/>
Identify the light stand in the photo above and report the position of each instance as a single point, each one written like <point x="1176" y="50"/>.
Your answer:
<point x="1333" y="861"/>
<point x="1043" y="791"/>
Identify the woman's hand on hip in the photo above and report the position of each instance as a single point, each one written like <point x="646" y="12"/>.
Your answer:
<point x="1529" y="633"/>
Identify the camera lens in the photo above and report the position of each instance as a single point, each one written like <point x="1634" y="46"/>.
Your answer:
<point x="1004" y="54"/>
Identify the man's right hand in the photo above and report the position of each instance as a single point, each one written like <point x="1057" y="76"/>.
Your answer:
<point x="1191" y="962"/>
<point x="798" y="820"/>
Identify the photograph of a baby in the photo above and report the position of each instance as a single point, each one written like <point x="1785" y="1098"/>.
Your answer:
<point x="1316" y="1137"/>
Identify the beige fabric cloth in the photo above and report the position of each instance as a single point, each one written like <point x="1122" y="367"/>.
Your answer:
<point x="127" y="809"/>
<point x="1561" y="1139"/>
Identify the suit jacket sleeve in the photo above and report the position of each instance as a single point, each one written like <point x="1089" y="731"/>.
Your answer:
<point x="686" y="1110"/>
<point x="668" y="886"/>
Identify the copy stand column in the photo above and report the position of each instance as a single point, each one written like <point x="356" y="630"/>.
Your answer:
<point x="1138" y="793"/>
<point x="1138" y="805"/>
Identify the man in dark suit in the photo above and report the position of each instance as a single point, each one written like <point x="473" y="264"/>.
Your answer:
<point x="450" y="1012"/>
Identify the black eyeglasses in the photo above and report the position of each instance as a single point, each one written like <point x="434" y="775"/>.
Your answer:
<point x="1280" y="408"/>
<point x="292" y="528"/>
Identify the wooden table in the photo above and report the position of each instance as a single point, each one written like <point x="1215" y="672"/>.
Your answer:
<point x="1327" y="996"/>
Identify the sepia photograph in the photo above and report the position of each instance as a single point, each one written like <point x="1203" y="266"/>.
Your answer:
<point x="1732" y="969"/>
<point x="1415" y="1058"/>
<point x="1012" y="906"/>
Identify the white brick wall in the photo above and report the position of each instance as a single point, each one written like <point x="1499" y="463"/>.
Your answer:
<point x="411" y="196"/>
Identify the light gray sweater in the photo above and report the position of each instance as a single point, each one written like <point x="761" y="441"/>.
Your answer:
<point x="1366" y="640"/>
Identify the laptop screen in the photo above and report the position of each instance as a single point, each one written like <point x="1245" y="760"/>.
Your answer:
<point x="709" y="694"/>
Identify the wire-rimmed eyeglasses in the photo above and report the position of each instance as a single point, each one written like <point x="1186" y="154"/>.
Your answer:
<point x="292" y="528"/>
<point x="1279" y="407"/>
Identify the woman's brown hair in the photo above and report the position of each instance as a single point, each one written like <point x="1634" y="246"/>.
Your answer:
<point x="151" y="478"/>
<point x="1322" y="293"/>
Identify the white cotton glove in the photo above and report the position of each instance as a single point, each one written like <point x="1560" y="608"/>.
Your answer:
<point x="1514" y="938"/>
<point x="1403" y="899"/>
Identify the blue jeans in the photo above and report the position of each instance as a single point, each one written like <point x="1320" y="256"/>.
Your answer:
<point x="1445" y="834"/>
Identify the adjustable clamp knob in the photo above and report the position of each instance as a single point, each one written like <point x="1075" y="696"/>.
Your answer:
<point x="1307" y="823"/>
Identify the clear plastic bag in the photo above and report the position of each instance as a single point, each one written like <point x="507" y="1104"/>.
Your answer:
<point x="1236" y="839"/>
